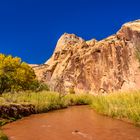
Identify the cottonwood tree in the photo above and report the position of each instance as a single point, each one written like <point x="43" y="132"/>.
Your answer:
<point x="15" y="75"/>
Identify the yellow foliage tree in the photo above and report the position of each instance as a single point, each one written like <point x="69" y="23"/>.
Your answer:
<point x="15" y="75"/>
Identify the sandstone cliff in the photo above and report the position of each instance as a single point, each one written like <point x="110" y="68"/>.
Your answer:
<point x="95" y="66"/>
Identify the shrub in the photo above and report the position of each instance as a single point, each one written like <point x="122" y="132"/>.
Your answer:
<point x="42" y="86"/>
<point x="71" y="90"/>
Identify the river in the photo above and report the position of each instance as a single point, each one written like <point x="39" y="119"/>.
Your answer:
<point x="73" y="123"/>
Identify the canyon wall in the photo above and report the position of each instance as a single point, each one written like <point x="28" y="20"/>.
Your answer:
<point x="95" y="66"/>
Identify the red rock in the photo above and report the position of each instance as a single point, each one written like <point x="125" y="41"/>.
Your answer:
<point x="95" y="66"/>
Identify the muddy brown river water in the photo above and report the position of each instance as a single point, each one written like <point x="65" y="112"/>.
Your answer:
<point x="73" y="123"/>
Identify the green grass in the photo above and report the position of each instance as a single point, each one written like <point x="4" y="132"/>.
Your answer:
<point x="3" y="136"/>
<point x="119" y="105"/>
<point x="45" y="101"/>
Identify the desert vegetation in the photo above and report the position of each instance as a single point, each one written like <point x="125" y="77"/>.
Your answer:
<point x="3" y="136"/>
<point x="15" y="75"/>
<point x="40" y="102"/>
<point x="125" y="106"/>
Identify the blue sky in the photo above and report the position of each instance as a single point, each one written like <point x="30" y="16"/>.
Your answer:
<point x="30" y="28"/>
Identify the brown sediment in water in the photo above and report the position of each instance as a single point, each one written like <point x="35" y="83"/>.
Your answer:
<point x="74" y="123"/>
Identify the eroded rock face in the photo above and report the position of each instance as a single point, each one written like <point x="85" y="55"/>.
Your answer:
<point x="95" y="66"/>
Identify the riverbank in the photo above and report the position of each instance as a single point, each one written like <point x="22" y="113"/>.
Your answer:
<point x="16" y="106"/>
<point x="73" y="123"/>
<point x="124" y="106"/>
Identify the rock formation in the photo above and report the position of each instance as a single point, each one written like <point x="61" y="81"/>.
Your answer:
<point x="95" y="66"/>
